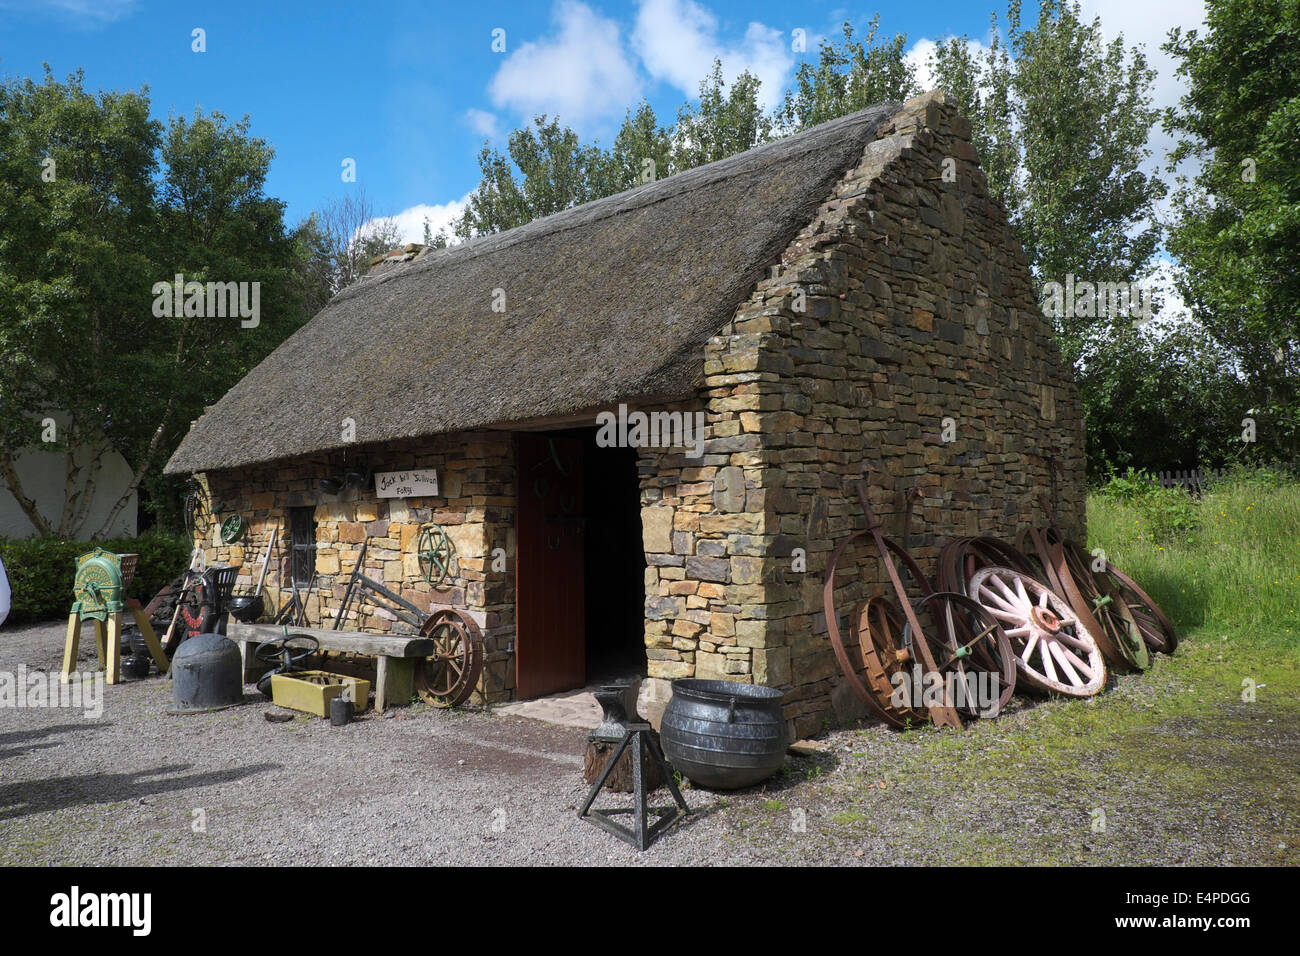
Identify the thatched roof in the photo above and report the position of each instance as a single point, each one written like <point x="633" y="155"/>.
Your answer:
<point x="606" y="302"/>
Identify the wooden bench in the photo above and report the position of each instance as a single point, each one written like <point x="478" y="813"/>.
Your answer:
<point x="396" y="655"/>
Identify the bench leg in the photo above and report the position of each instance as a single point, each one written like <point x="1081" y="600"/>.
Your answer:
<point x="394" y="682"/>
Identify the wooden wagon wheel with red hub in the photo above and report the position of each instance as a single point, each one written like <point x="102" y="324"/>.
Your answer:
<point x="1054" y="651"/>
<point x="449" y="677"/>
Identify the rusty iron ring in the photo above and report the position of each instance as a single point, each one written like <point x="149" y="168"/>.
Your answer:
<point x="860" y="690"/>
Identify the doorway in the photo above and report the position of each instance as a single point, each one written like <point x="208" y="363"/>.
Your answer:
<point x="580" y="568"/>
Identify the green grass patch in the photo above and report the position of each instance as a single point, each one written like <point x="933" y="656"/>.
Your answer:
<point x="1233" y="570"/>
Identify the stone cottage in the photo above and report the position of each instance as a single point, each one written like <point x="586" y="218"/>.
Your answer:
<point x="844" y="303"/>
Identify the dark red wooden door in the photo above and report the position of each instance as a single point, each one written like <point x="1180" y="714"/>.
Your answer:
<point x="550" y="640"/>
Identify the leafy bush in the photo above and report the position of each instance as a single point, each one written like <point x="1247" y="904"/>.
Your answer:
<point x="41" y="570"/>
<point x="1167" y="512"/>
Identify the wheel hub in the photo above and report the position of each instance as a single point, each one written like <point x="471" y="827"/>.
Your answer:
<point x="1045" y="619"/>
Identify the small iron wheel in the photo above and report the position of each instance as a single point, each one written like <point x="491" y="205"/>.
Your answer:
<point x="1054" y="651"/>
<point x="967" y="642"/>
<point x="449" y="677"/>
<point x="233" y="528"/>
<point x="886" y="653"/>
<point x="434" y="550"/>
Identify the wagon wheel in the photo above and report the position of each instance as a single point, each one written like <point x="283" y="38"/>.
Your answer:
<point x="878" y="705"/>
<point x="448" y="677"/>
<point x="1107" y="605"/>
<point x="879" y="625"/>
<point x="1106" y="619"/>
<point x="435" y="551"/>
<point x="1054" y="651"/>
<point x="1156" y="629"/>
<point x="968" y="642"/>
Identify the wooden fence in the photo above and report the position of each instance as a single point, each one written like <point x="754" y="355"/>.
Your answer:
<point x="1192" y="480"/>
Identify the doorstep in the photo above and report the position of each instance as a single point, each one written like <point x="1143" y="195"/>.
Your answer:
<point x="575" y="708"/>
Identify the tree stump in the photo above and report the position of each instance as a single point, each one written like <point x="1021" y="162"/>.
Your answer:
<point x="620" y="778"/>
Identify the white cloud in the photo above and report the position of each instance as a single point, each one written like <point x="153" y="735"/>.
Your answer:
<point x="918" y="56"/>
<point x="677" y="41"/>
<point x="410" y="222"/>
<point x="483" y="123"/>
<point x="582" y="73"/>
<point x="87" y="12"/>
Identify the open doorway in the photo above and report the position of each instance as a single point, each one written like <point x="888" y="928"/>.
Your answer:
<point x="580" y="570"/>
<point x="614" y="565"/>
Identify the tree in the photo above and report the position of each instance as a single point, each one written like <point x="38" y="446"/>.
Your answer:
<point x="1237" y="232"/>
<point x="557" y="174"/>
<point x="848" y="76"/>
<point x="1062" y="120"/>
<point x="348" y="233"/>
<point x="726" y="121"/>
<point x="103" y="206"/>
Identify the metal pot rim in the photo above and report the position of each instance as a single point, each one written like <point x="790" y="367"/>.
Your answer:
<point x="721" y="691"/>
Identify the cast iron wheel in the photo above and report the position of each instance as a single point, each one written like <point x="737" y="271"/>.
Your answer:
<point x="434" y="551"/>
<point x="967" y="641"/>
<point x="1157" y="630"/>
<point x="1054" y="651"/>
<point x="449" y="677"/>
<point x="233" y="528"/>
<point x="284" y="654"/>
<point x="879" y="625"/>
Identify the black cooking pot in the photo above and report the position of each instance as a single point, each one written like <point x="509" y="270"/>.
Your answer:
<point x="246" y="607"/>
<point x="724" y="734"/>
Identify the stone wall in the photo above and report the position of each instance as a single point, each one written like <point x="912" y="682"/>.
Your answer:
<point x="475" y="506"/>
<point x="898" y="341"/>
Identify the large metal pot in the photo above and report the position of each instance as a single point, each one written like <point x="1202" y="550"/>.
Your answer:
<point x="207" y="674"/>
<point x="724" y="734"/>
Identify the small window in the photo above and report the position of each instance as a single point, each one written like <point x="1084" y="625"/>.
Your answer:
<point x="302" y="534"/>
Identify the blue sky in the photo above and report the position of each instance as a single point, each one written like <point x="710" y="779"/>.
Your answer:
<point x="410" y="90"/>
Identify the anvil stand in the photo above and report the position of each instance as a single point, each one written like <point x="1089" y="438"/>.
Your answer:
<point x="639" y="735"/>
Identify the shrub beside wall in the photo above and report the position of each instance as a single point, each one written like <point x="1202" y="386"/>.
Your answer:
<point x="41" y="570"/>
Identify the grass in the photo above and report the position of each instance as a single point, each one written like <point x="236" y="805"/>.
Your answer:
<point x="1236" y="573"/>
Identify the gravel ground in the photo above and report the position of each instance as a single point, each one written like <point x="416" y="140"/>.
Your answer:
<point x="428" y="786"/>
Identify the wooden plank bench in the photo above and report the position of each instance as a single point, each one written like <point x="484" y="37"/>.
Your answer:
<point x="396" y="655"/>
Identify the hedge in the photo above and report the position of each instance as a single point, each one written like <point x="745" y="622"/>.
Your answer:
<point x="41" y="570"/>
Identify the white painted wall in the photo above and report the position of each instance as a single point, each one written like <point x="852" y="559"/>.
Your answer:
<point x="43" y="476"/>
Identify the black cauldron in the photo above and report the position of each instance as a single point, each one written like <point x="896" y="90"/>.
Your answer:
<point x="246" y="607"/>
<point x="723" y="734"/>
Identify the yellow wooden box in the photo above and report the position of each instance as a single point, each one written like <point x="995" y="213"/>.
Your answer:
<point x="312" y="691"/>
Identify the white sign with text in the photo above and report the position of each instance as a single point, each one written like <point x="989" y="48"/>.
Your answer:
<point x="412" y="483"/>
